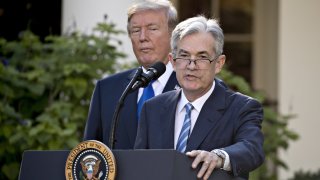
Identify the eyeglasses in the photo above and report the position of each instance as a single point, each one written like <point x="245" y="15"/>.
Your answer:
<point x="200" y="63"/>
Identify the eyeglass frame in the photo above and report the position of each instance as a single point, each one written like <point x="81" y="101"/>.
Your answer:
<point x="196" y="59"/>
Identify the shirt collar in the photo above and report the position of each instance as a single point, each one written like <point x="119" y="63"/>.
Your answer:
<point x="198" y="103"/>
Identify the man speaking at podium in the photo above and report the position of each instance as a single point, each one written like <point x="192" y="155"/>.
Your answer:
<point x="206" y="120"/>
<point x="150" y="24"/>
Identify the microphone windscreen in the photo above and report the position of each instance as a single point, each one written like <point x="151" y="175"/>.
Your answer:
<point x="159" y="67"/>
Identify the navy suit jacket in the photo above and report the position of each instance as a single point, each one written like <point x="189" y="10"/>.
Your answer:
<point x="227" y="120"/>
<point x="103" y="103"/>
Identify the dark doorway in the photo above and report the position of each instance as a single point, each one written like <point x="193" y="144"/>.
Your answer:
<point x="41" y="17"/>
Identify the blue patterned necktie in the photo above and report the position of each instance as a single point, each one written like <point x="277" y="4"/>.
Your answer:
<point x="147" y="94"/>
<point x="185" y="130"/>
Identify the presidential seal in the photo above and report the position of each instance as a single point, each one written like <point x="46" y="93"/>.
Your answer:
<point x="90" y="160"/>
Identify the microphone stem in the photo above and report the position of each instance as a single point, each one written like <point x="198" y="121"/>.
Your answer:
<point x="116" y="113"/>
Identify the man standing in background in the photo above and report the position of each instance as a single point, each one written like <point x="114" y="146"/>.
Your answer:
<point x="150" y="24"/>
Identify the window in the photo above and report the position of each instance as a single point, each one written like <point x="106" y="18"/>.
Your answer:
<point x="236" y="19"/>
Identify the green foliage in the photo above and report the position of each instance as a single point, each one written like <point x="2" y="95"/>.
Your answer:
<point x="274" y="126"/>
<point x="45" y="90"/>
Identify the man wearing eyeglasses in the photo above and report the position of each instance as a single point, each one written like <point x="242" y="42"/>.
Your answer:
<point x="206" y="120"/>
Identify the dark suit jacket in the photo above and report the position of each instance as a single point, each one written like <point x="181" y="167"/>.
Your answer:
<point x="103" y="103"/>
<point x="227" y="120"/>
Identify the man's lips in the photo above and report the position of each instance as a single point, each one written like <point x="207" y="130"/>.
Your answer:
<point x="145" y="50"/>
<point x="190" y="77"/>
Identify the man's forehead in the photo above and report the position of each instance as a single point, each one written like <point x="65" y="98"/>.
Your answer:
<point x="140" y="16"/>
<point x="188" y="42"/>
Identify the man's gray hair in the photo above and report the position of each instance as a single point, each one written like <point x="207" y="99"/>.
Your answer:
<point x="196" y="25"/>
<point x="154" y="5"/>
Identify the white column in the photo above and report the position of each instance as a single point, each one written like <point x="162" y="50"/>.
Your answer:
<point x="299" y="87"/>
<point x="265" y="69"/>
<point x="83" y="15"/>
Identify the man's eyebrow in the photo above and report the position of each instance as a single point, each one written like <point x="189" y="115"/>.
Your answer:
<point x="183" y="51"/>
<point x="200" y="52"/>
<point x="203" y="52"/>
<point x="133" y="25"/>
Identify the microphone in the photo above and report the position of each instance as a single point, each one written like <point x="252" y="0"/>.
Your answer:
<point x="114" y="122"/>
<point x="153" y="73"/>
<point x="139" y="79"/>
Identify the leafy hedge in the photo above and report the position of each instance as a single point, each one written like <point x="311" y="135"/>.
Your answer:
<point x="45" y="91"/>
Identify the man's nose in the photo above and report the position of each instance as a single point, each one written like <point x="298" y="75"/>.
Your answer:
<point x="143" y="35"/>
<point x="192" y="64"/>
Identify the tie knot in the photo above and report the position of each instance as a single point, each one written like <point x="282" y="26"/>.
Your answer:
<point x="152" y="81"/>
<point x="150" y="84"/>
<point x="148" y="93"/>
<point x="189" y="107"/>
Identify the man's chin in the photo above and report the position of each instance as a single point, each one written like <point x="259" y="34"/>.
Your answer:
<point x="147" y="63"/>
<point x="192" y="88"/>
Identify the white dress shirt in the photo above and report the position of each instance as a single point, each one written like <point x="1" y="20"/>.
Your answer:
<point x="181" y="111"/>
<point x="197" y="106"/>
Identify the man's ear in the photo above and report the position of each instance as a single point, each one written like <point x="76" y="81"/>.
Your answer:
<point x="219" y="63"/>
<point x="170" y="57"/>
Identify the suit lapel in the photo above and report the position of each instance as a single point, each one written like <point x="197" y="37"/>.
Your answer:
<point x="167" y="114"/>
<point x="210" y="114"/>
<point x="172" y="83"/>
<point x="167" y="117"/>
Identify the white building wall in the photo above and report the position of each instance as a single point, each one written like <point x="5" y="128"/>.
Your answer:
<point x="299" y="87"/>
<point x="83" y="15"/>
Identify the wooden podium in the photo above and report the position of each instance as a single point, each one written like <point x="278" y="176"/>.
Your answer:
<point x="131" y="165"/>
